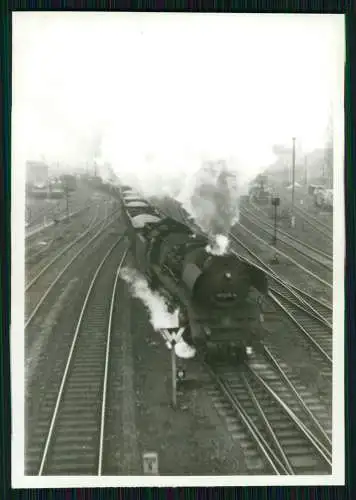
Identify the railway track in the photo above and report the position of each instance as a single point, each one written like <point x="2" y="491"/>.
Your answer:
<point x="35" y="229"/>
<point x="47" y="234"/>
<point x="297" y="297"/>
<point x="289" y="424"/>
<point x="52" y="244"/>
<point x="289" y="294"/>
<point x="310" y="235"/>
<point x="49" y="243"/>
<point x="69" y="433"/>
<point x="311" y="324"/>
<point x="308" y="331"/>
<point x="315" y="305"/>
<point x="39" y="209"/>
<point x="317" y="224"/>
<point x="47" y="210"/>
<point x="320" y="276"/>
<point x="311" y="319"/>
<point x="36" y="221"/>
<point x="320" y="257"/>
<point x="281" y="430"/>
<point x="323" y="309"/>
<point x="47" y="217"/>
<point x="41" y="284"/>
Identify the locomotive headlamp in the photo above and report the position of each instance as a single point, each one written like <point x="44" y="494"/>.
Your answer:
<point x="228" y="276"/>
<point x="180" y="375"/>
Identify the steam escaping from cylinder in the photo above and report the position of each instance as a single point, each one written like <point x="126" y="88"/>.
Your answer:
<point x="159" y="315"/>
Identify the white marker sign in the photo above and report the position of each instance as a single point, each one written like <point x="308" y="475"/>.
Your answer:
<point x="150" y="463"/>
<point x="174" y="336"/>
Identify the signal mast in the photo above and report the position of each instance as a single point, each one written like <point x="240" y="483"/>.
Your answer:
<point x="329" y="151"/>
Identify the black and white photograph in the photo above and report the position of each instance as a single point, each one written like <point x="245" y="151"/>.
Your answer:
<point x="177" y="227"/>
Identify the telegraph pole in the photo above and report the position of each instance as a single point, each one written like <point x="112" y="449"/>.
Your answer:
<point x="275" y="203"/>
<point x="328" y="156"/>
<point x="306" y="170"/>
<point x="47" y="200"/>
<point x="66" y="191"/>
<point x="67" y="202"/>
<point x="293" y="184"/>
<point x="28" y="210"/>
<point x="174" y="374"/>
<point x="293" y="172"/>
<point x="172" y="336"/>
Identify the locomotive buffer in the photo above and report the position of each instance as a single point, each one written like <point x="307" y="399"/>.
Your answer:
<point x="173" y="336"/>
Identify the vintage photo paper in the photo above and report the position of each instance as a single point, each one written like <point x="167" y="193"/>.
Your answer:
<point x="178" y="247"/>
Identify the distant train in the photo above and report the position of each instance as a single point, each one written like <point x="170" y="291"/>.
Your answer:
<point x="37" y="190"/>
<point x="218" y="297"/>
<point x="260" y="194"/>
<point x="323" y="197"/>
<point x="40" y="185"/>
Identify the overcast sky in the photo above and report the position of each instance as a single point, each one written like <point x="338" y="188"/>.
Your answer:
<point x="171" y="88"/>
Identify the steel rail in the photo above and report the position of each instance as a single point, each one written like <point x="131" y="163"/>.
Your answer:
<point x="70" y="356"/>
<point x="106" y="370"/>
<point x="80" y="251"/>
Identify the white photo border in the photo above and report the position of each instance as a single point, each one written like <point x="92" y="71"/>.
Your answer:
<point x="19" y="480"/>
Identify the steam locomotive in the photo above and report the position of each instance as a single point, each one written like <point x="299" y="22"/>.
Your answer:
<point x="218" y="296"/>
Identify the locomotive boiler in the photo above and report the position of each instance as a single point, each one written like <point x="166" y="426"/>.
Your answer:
<point x="219" y="294"/>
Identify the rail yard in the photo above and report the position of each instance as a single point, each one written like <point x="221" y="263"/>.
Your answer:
<point x="246" y="390"/>
<point x="178" y="269"/>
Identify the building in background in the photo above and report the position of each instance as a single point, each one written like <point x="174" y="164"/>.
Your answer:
<point x="36" y="173"/>
<point x="37" y="179"/>
<point x="315" y="167"/>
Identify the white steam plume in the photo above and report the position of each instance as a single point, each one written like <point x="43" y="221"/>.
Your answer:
<point x="160" y="317"/>
<point x="212" y="199"/>
<point x="219" y="245"/>
<point x="208" y="190"/>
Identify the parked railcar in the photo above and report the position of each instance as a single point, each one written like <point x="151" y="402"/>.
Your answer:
<point x="323" y="198"/>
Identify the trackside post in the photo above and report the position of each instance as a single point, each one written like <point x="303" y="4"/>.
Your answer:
<point x="173" y="336"/>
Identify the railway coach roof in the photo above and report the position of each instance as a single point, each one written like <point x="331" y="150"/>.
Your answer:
<point x="132" y="197"/>
<point x="141" y="220"/>
<point x="137" y="204"/>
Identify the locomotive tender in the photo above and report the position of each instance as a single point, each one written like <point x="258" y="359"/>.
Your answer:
<point x="218" y="295"/>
